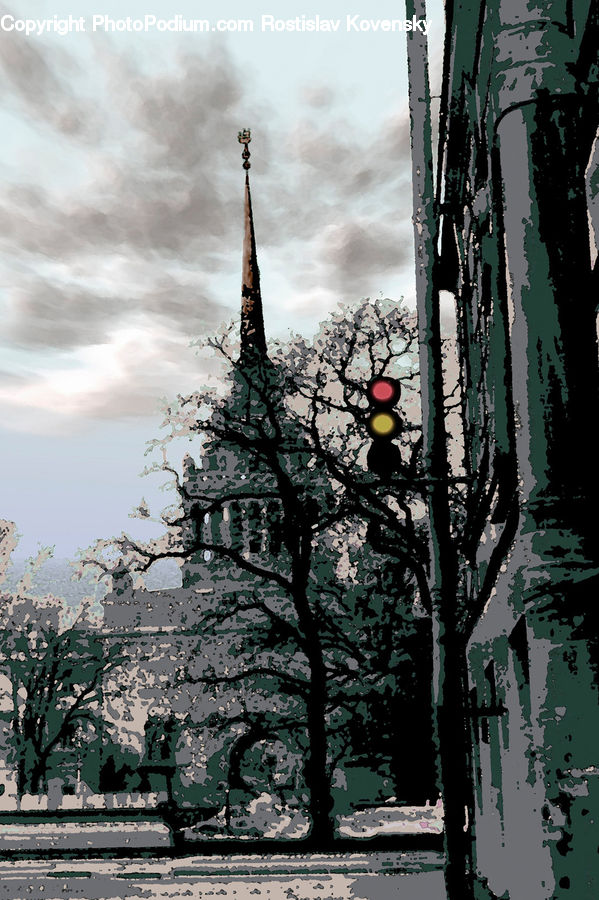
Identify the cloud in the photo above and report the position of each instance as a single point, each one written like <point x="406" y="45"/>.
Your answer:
<point x="324" y="175"/>
<point x="40" y="82"/>
<point x="123" y="240"/>
<point x="129" y="248"/>
<point x="353" y="253"/>
<point x="48" y="315"/>
<point x="122" y="378"/>
<point x="319" y="96"/>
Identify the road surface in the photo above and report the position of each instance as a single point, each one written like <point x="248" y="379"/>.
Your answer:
<point x="347" y="876"/>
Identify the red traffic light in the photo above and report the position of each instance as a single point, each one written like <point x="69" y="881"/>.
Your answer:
<point x="383" y="391"/>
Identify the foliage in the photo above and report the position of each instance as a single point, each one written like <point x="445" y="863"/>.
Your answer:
<point x="55" y="661"/>
<point x="303" y="628"/>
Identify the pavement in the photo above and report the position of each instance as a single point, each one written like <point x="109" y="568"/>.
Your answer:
<point x="415" y="875"/>
<point x="82" y="835"/>
<point x="26" y="833"/>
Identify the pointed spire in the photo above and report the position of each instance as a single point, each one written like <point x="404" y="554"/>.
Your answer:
<point x="252" y="320"/>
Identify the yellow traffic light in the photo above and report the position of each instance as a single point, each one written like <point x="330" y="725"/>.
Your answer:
<point x="382" y="424"/>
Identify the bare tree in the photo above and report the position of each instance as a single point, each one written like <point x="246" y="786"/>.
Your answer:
<point x="55" y="662"/>
<point x="292" y="429"/>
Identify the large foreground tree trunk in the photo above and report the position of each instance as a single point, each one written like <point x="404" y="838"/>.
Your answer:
<point x="318" y="778"/>
<point x="449" y="669"/>
<point x="450" y="687"/>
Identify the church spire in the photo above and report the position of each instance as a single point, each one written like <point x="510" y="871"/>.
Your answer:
<point x="252" y="322"/>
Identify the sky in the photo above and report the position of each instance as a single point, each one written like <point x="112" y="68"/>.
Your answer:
<point x="121" y="224"/>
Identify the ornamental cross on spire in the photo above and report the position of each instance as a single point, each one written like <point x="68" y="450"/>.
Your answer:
<point x="244" y="137"/>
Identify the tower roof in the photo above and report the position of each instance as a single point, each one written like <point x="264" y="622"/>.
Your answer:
<point x="253" y="339"/>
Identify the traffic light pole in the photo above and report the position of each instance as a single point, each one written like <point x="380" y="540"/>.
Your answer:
<point x="449" y="652"/>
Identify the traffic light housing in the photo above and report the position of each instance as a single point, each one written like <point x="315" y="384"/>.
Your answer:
<point x="384" y="424"/>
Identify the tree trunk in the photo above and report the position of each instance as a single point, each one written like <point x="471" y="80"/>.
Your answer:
<point x="449" y="693"/>
<point x="32" y="763"/>
<point x="37" y="775"/>
<point x="228" y="810"/>
<point x="317" y="774"/>
<point x="452" y="734"/>
<point x="21" y="777"/>
<point x="318" y="779"/>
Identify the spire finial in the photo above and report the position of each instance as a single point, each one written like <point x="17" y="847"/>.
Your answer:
<point x="244" y="137"/>
<point x="253" y="340"/>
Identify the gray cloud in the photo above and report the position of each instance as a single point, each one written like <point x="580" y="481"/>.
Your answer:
<point x="40" y="81"/>
<point x="154" y="205"/>
<point x="334" y="178"/>
<point x="320" y="96"/>
<point x="145" y="235"/>
<point x="45" y="315"/>
<point x="356" y="255"/>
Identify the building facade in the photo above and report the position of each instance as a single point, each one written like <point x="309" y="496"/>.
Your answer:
<point x="518" y="177"/>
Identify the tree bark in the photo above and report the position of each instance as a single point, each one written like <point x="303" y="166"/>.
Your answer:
<point x="316" y="769"/>
<point x="449" y="669"/>
<point x="318" y="780"/>
<point x="454" y="756"/>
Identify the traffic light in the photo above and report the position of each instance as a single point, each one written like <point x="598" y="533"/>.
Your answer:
<point x="384" y="424"/>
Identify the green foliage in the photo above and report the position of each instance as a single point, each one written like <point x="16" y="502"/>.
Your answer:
<point x="54" y="661"/>
<point x="314" y="563"/>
